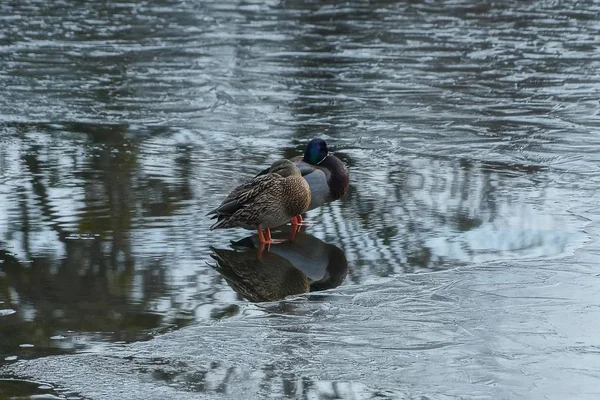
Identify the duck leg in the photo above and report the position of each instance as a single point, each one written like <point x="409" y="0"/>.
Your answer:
<point x="297" y="220"/>
<point x="264" y="239"/>
<point x="293" y="232"/>
<point x="296" y="224"/>
<point x="259" y="251"/>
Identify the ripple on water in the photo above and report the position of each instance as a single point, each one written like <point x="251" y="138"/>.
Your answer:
<point x="470" y="132"/>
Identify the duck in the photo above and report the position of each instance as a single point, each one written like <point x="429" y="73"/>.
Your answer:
<point x="267" y="201"/>
<point x="326" y="175"/>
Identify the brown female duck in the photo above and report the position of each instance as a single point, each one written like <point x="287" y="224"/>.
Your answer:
<point x="269" y="200"/>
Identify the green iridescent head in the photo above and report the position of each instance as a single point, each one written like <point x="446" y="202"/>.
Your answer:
<point x="316" y="151"/>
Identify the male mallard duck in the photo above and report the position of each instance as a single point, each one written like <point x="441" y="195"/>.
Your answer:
<point x="327" y="176"/>
<point x="266" y="201"/>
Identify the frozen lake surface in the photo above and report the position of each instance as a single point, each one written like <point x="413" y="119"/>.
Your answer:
<point x="464" y="263"/>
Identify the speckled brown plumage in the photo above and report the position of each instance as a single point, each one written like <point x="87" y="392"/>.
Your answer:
<point x="267" y="201"/>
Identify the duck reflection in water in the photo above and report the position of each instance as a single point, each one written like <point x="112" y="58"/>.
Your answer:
<point x="288" y="268"/>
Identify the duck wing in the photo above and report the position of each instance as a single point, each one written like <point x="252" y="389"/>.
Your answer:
<point x="243" y="195"/>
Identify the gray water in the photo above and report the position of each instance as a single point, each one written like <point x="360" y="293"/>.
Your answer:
<point x="463" y="263"/>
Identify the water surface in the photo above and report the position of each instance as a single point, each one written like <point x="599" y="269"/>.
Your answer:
<point x="461" y="264"/>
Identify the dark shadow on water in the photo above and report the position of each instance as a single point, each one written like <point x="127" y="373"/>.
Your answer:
<point x="287" y="268"/>
<point x="25" y="389"/>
